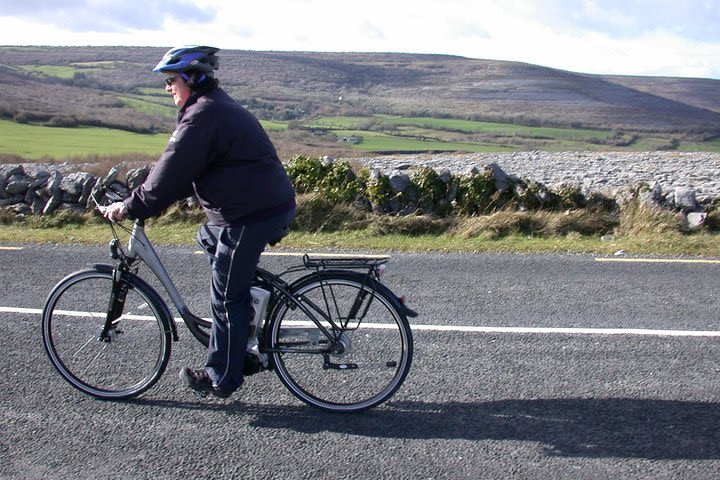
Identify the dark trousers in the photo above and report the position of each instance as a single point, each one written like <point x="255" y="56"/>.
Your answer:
<point x="234" y="253"/>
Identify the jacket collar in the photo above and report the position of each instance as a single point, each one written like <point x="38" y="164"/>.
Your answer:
<point x="194" y="98"/>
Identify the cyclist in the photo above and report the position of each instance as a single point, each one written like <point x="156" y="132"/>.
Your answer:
<point x="220" y="153"/>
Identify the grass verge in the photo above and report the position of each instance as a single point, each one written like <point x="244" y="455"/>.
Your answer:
<point x="518" y="232"/>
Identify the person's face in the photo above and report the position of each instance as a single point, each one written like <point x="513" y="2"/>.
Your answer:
<point x="176" y="85"/>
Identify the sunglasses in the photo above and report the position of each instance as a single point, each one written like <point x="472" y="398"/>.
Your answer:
<point x="170" y="80"/>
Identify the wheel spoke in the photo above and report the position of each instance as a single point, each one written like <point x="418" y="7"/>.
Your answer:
<point x="105" y="368"/>
<point x="363" y="366"/>
<point x="83" y="346"/>
<point x="94" y="358"/>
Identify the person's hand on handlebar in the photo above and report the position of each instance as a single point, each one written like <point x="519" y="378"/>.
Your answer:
<point x="115" y="212"/>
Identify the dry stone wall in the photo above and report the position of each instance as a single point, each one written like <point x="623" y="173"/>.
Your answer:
<point x="682" y="181"/>
<point x="605" y="172"/>
<point x="46" y="189"/>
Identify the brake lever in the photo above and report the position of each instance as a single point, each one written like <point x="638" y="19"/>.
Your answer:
<point x="101" y="208"/>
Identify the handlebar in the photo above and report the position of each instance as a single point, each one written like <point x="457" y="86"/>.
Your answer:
<point x="103" y="208"/>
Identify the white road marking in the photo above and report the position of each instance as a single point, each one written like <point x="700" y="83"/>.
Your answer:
<point x="11" y="248"/>
<point x="312" y="255"/>
<point x="657" y="260"/>
<point x="453" y="328"/>
<point x="322" y="255"/>
<point x="570" y="330"/>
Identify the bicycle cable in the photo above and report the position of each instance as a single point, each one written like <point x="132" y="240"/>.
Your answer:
<point x="113" y="224"/>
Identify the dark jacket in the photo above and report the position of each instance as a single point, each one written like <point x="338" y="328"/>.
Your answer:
<point x="220" y="152"/>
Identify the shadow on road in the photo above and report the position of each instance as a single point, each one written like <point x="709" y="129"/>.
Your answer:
<point x="650" y="429"/>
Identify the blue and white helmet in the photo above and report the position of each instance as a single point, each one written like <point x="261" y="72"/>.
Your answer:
<point x="189" y="58"/>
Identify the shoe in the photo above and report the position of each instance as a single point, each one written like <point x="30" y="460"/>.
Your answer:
<point x="199" y="381"/>
<point x="252" y="365"/>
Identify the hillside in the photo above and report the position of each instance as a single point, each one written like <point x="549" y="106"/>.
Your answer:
<point x="113" y="86"/>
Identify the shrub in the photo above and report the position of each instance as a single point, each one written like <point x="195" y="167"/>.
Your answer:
<point x="431" y="191"/>
<point x="712" y="222"/>
<point x="569" y="196"/>
<point x="584" y="222"/>
<point x="378" y="190"/>
<point x="340" y="183"/>
<point x="62" y="121"/>
<point x="476" y="193"/>
<point x="316" y="213"/>
<point x="499" y="224"/>
<point x="531" y="195"/>
<point x="336" y="181"/>
<point x="178" y="213"/>
<point x="543" y="223"/>
<point x="409" y="225"/>
<point x="637" y="218"/>
<point x="600" y="201"/>
<point x="305" y="173"/>
<point x="24" y="116"/>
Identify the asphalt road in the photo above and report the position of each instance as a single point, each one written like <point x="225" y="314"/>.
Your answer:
<point x="624" y="399"/>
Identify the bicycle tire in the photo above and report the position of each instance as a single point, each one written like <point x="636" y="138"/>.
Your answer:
<point x="137" y="350"/>
<point x="378" y="348"/>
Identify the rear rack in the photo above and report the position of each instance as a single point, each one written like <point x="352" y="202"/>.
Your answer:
<point x="360" y="263"/>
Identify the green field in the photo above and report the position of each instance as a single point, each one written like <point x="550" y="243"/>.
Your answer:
<point x="270" y="125"/>
<point x="397" y="133"/>
<point x="151" y="105"/>
<point x="381" y="142"/>
<point x="708" y="146"/>
<point x="69" y="71"/>
<point x="378" y="133"/>
<point x="100" y="65"/>
<point x="34" y="142"/>
<point x="51" y="70"/>
<point x="152" y="92"/>
<point x="466" y="126"/>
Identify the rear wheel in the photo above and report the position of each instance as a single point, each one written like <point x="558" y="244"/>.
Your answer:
<point x="133" y="355"/>
<point x="367" y="355"/>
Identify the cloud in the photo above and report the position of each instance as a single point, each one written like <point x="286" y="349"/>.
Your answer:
<point x="593" y="36"/>
<point x="372" y="31"/>
<point x="467" y="30"/>
<point x="621" y="19"/>
<point x="108" y="16"/>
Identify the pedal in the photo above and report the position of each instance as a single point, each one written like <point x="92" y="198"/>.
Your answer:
<point x="328" y="365"/>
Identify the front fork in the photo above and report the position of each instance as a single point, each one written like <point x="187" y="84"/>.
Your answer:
<point x="116" y="304"/>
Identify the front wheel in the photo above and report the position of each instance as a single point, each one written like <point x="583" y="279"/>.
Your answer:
<point x="365" y="358"/>
<point x="134" y="353"/>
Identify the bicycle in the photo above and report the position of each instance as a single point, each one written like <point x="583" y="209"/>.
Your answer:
<point x="337" y="337"/>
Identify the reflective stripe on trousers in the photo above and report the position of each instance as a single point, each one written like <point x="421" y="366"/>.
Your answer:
<point x="234" y="252"/>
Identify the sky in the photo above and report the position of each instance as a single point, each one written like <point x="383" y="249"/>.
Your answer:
<point x="623" y="37"/>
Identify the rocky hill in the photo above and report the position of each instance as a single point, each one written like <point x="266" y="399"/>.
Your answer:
<point x="96" y="85"/>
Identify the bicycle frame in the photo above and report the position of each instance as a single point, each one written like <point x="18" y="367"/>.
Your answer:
<point x="140" y="247"/>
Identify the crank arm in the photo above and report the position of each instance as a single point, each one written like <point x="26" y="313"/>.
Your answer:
<point x="328" y="365"/>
